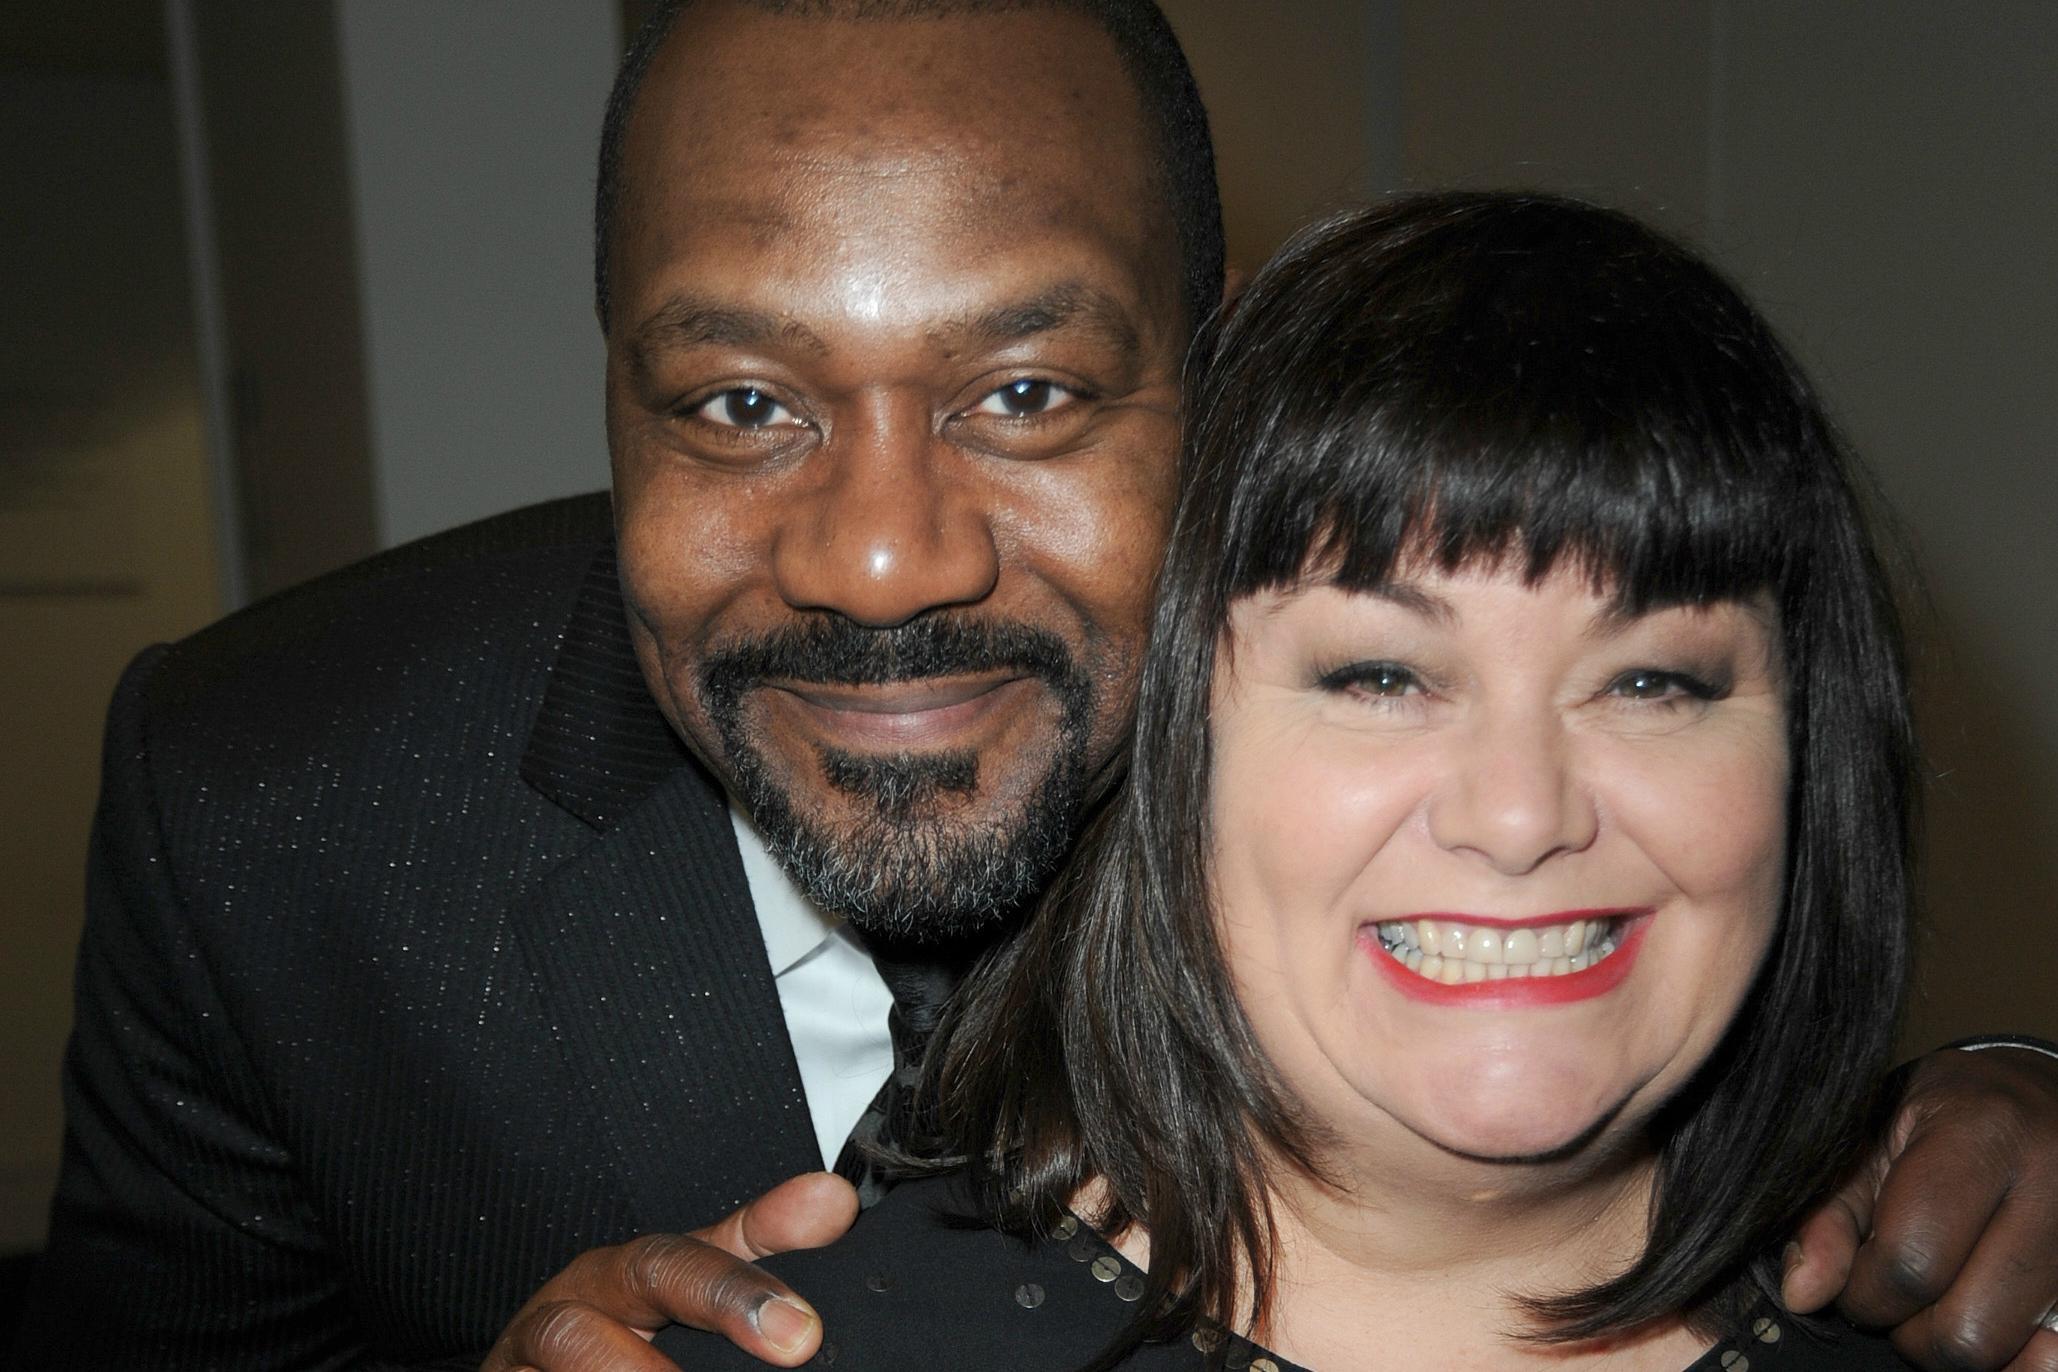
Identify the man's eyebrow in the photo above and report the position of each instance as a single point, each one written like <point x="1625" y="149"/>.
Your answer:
<point x="689" y="321"/>
<point x="1063" y="306"/>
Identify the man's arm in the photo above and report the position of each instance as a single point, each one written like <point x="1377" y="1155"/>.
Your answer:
<point x="179" y="1236"/>
<point x="1949" y="1234"/>
<point x="599" y="1313"/>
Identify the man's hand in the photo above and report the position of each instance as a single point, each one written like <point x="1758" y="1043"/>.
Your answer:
<point x="598" y="1315"/>
<point x="1949" y="1234"/>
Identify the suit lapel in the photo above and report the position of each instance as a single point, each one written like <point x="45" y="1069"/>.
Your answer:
<point x="645" y="946"/>
<point x="599" y="744"/>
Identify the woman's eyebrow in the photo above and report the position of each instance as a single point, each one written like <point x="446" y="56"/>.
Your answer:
<point x="1619" y="617"/>
<point x="1416" y="600"/>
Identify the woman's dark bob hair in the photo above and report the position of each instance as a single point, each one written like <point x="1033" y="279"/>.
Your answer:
<point x="1466" y="378"/>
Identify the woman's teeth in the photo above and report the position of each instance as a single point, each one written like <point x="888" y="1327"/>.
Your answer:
<point x="1452" y="952"/>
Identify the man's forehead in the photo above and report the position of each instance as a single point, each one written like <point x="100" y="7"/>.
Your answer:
<point x="889" y="97"/>
<point x="687" y="320"/>
<point x="894" y="152"/>
<point x="745" y="181"/>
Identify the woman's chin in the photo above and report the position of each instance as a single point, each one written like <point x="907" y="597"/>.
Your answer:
<point x="1500" y="1127"/>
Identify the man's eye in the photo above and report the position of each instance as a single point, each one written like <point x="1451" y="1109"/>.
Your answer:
<point x="746" y="407"/>
<point x="1024" y="399"/>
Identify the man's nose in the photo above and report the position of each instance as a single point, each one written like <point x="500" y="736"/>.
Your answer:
<point x="1512" y="796"/>
<point x="894" y="525"/>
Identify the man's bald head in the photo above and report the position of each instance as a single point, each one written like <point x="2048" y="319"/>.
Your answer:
<point x="1150" y="54"/>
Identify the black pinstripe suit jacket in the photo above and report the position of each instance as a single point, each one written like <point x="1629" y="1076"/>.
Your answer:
<point x="418" y="959"/>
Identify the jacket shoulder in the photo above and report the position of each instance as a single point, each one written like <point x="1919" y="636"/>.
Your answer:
<point x="408" y="634"/>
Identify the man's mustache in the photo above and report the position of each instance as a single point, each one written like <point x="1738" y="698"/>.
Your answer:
<point x="831" y="650"/>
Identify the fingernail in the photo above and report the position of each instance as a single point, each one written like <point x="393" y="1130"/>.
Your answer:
<point x="1789" y="1263"/>
<point x="784" y="1324"/>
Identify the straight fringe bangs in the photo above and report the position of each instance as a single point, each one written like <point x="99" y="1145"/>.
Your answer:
<point x="1505" y="399"/>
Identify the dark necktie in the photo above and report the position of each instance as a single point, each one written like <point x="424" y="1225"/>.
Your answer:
<point x="920" y="985"/>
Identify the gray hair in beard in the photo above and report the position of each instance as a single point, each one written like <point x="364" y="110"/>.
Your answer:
<point x="902" y="873"/>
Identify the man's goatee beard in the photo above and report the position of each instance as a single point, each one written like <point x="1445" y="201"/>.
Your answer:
<point x="907" y="871"/>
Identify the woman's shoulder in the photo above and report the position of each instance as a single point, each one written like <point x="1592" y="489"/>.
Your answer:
<point x="921" y="1283"/>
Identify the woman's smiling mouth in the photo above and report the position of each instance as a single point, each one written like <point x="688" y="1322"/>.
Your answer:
<point x="1447" y="958"/>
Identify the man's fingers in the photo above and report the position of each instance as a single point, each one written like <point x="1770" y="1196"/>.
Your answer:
<point x="1949" y="1338"/>
<point x="1942" y="1341"/>
<point x="1931" y="1209"/>
<point x="1818" y="1260"/>
<point x="1977" y="1130"/>
<point x="2041" y="1355"/>
<point x="1987" y="1315"/>
<point x="690" y="1281"/>
<point x="585" y="1319"/>
<point x="599" y="1313"/>
<point x="572" y="1336"/>
<point x="805" y="1212"/>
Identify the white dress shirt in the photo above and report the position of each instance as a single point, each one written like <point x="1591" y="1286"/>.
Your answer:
<point x="830" y="993"/>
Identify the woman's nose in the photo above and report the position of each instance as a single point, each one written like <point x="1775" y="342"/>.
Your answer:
<point x="894" y="527"/>
<point x="1511" y="796"/>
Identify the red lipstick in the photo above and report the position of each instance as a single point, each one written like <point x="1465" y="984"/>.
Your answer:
<point x="1519" y="992"/>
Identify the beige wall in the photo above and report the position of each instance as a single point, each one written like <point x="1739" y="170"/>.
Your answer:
<point x="267" y="80"/>
<point x="470" y="129"/>
<point x="1298" y="107"/>
<point x="1887" y="188"/>
<point x="1606" y="98"/>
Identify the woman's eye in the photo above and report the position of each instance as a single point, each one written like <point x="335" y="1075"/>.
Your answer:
<point x="745" y="407"/>
<point x="1647" y="683"/>
<point x="1024" y="399"/>
<point x="1385" y="680"/>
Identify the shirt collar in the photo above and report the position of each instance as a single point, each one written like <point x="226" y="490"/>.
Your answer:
<point x="792" y="926"/>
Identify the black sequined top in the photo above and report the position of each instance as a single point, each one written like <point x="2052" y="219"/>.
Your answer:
<point x="908" y="1290"/>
